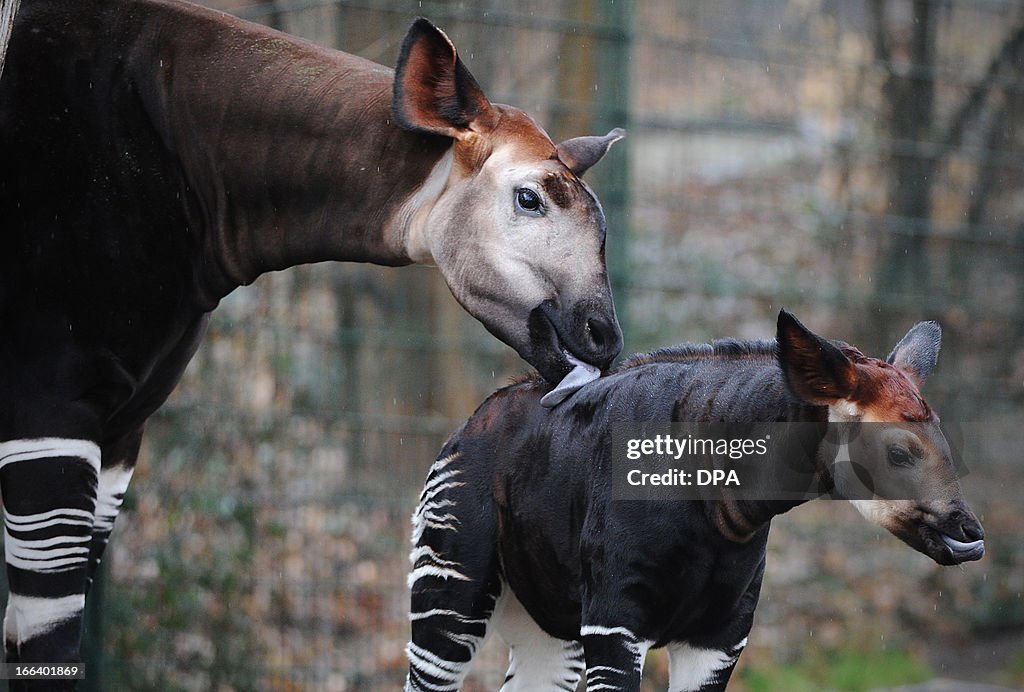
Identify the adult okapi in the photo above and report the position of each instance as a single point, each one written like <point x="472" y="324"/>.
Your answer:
<point x="157" y="155"/>
<point x="524" y="521"/>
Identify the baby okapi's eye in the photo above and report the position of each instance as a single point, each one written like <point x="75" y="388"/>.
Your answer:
<point x="528" y="201"/>
<point x="898" y="456"/>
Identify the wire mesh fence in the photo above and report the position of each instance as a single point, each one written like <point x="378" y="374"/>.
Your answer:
<point x="856" y="162"/>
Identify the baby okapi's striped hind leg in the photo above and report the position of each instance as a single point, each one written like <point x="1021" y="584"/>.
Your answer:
<point x="536" y="660"/>
<point x="615" y="658"/>
<point x="454" y="580"/>
<point x="49" y="494"/>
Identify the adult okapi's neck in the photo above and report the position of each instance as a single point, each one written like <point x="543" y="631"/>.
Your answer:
<point x="287" y="151"/>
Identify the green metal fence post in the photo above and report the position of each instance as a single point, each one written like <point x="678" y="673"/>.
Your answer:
<point x="613" y="110"/>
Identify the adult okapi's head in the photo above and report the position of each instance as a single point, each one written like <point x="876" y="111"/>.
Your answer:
<point x="887" y="454"/>
<point x="518" y="236"/>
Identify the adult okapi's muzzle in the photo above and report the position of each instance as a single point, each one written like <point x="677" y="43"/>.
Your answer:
<point x="572" y="347"/>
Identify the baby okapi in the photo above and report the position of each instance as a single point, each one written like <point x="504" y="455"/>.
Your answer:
<point x="519" y="523"/>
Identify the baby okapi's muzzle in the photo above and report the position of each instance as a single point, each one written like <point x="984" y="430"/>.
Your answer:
<point x="948" y="533"/>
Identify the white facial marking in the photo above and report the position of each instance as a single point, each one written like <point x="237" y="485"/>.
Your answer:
<point x="874" y="511"/>
<point x="844" y="411"/>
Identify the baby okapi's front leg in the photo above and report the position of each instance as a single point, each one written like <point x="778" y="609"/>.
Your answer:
<point x="454" y="582"/>
<point x="615" y="658"/>
<point x="694" y="668"/>
<point x="49" y="495"/>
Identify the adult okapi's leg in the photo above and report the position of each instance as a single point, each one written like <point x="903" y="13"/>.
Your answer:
<point x="536" y="660"/>
<point x="454" y="580"/>
<point x="49" y="495"/>
<point x="615" y="657"/>
<point x="115" y="474"/>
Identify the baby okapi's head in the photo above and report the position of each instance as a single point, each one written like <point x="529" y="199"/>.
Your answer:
<point x="884" y="450"/>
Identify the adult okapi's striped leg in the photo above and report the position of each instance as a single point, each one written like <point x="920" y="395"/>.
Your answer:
<point x="454" y="580"/>
<point x="693" y="669"/>
<point x="115" y="474"/>
<point x="49" y="496"/>
<point x="615" y="658"/>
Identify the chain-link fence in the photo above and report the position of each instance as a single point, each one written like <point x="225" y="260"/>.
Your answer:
<point x="856" y="162"/>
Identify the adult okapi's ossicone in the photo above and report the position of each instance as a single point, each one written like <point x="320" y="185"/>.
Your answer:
<point x="520" y="522"/>
<point x="156" y="155"/>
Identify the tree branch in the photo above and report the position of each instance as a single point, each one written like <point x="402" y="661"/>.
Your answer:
<point x="1008" y="54"/>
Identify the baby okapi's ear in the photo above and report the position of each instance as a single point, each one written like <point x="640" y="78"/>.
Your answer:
<point x="434" y="92"/>
<point x="580" y="153"/>
<point x="917" y="353"/>
<point x="816" y="370"/>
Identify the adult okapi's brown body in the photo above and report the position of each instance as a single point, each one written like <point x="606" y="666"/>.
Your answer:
<point x="156" y="155"/>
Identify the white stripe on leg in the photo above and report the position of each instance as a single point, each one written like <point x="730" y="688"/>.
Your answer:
<point x="536" y="660"/>
<point x="690" y="667"/>
<point x="110" y="495"/>
<point x="47" y="552"/>
<point x="16" y="451"/>
<point x="37" y="616"/>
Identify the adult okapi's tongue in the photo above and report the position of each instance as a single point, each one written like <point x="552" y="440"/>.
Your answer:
<point x="580" y="375"/>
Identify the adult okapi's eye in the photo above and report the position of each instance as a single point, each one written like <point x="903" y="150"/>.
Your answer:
<point x="900" y="457"/>
<point x="528" y="201"/>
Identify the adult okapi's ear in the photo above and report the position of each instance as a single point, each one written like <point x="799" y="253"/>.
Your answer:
<point x="917" y="353"/>
<point x="816" y="370"/>
<point x="580" y="153"/>
<point x="434" y="92"/>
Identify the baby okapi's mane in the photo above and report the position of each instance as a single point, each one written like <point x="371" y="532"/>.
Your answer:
<point x="766" y="350"/>
<point x="721" y="349"/>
